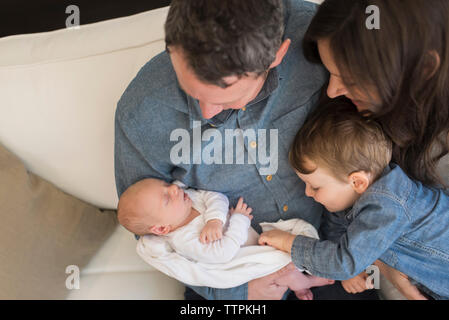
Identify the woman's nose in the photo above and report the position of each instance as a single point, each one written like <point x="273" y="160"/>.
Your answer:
<point x="336" y="87"/>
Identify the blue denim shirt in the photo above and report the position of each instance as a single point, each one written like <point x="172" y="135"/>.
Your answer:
<point x="153" y="106"/>
<point x="397" y="220"/>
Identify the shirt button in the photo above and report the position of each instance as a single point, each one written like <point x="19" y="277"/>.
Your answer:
<point x="269" y="177"/>
<point x="285" y="208"/>
<point x="253" y="144"/>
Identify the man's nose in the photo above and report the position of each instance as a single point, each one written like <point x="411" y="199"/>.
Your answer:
<point x="336" y="87"/>
<point x="209" y="110"/>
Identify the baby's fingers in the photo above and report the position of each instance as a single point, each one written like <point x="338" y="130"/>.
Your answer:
<point x="203" y="237"/>
<point x="239" y="203"/>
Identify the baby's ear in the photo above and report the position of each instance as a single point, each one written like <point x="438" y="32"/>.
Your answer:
<point x="160" y="230"/>
<point x="359" y="181"/>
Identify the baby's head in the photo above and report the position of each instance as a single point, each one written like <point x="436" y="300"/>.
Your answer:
<point x="338" y="153"/>
<point x="153" y="206"/>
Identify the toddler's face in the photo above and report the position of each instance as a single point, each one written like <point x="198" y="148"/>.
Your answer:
<point x="169" y="203"/>
<point x="332" y="193"/>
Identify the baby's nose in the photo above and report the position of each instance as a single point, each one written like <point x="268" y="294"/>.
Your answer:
<point x="174" y="189"/>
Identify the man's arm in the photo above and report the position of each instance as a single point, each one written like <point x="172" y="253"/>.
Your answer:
<point x="129" y="163"/>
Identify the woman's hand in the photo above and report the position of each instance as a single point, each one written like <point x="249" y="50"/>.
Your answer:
<point x="357" y="284"/>
<point x="400" y="281"/>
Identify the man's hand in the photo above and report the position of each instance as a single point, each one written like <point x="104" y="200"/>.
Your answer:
<point x="400" y="281"/>
<point x="212" y="231"/>
<point x="265" y="288"/>
<point x="278" y="239"/>
<point x="242" y="208"/>
<point x="357" y="284"/>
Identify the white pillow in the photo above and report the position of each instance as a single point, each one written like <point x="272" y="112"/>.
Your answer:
<point x="58" y="94"/>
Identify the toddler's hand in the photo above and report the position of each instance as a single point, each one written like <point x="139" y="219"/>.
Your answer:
<point x="278" y="239"/>
<point x="212" y="231"/>
<point x="242" y="208"/>
<point x="357" y="284"/>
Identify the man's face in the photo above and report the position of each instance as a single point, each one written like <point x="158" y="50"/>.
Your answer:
<point x="212" y="98"/>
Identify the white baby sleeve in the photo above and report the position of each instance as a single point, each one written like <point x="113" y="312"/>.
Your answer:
<point x="217" y="205"/>
<point x="219" y="251"/>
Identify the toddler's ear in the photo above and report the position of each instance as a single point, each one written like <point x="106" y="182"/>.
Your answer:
<point x="359" y="181"/>
<point x="160" y="230"/>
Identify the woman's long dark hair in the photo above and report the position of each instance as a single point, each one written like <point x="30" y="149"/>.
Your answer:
<point x="406" y="60"/>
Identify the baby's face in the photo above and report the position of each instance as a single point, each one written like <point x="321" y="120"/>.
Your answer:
<point x="332" y="193"/>
<point x="169" y="203"/>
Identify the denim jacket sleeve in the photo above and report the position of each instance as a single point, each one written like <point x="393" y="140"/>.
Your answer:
<point x="378" y="222"/>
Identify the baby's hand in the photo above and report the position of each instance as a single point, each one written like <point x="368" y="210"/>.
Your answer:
<point x="278" y="239"/>
<point x="212" y="231"/>
<point x="242" y="208"/>
<point x="357" y="284"/>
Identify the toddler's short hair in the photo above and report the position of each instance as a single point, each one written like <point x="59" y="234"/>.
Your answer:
<point x="339" y="138"/>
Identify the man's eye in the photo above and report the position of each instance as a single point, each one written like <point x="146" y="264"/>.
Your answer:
<point x="315" y="189"/>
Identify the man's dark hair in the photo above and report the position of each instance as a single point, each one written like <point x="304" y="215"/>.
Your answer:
<point x="221" y="38"/>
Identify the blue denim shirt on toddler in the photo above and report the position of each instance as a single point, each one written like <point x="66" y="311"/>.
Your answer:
<point x="398" y="221"/>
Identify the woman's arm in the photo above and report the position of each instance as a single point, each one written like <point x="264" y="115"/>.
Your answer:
<point x="400" y="281"/>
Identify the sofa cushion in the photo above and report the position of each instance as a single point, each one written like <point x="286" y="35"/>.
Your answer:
<point x="58" y="94"/>
<point x="43" y="231"/>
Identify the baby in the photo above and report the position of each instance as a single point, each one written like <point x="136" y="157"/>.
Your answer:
<point x="377" y="211"/>
<point x="192" y="221"/>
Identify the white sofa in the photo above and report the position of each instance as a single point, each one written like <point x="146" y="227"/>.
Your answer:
<point x="59" y="92"/>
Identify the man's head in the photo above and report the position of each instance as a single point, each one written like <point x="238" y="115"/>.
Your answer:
<point x="338" y="153"/>
<point x="153" y="206"/>
<point x="222" y="50"/>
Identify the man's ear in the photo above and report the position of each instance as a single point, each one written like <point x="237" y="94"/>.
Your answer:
<point x="160" y="230"/>
<point x="359" y="181"/>
<point x="281" y="53"/>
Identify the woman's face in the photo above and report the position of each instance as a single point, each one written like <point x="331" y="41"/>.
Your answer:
<point x="363" y="101"/>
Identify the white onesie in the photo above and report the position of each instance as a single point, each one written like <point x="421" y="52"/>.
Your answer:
<point x="211" y="205"/>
